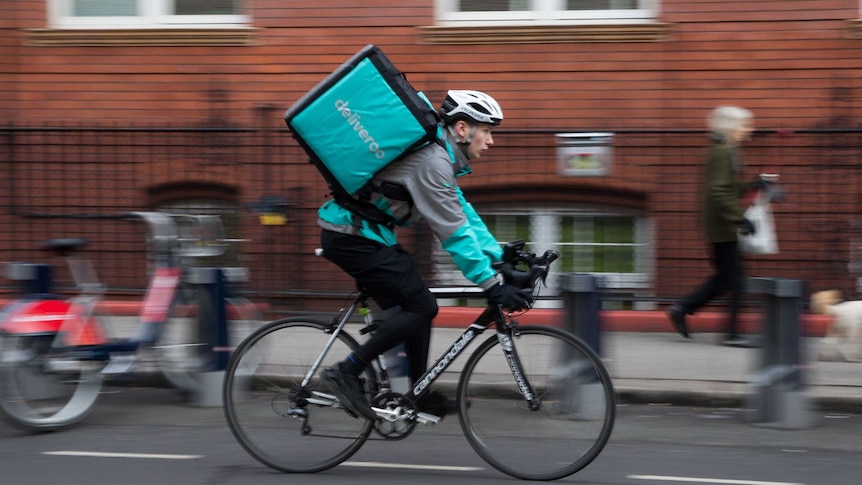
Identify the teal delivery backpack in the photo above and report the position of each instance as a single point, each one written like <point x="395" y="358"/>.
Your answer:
<point x="358" y="120"/>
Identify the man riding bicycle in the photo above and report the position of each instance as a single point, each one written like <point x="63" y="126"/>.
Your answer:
<point x="422" y="184"/>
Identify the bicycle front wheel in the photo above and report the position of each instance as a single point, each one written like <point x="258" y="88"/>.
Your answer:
<point x="281" y="423"/>
<point x="569" y="420"/>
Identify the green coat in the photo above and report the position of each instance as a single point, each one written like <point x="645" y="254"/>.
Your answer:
<point x="722" y="211"/>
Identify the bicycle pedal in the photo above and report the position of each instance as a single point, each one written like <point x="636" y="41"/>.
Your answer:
<point x="427" y="419"/>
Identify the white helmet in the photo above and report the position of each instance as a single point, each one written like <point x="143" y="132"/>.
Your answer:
<point x="474" y="105"/>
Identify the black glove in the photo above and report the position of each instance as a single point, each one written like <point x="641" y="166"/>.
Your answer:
<point x="510" y="297"/>
<point x="746" y="227"/>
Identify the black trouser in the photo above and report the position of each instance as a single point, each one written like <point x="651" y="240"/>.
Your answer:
<point x="728" y="264"/>
<point x="391" y="277"/>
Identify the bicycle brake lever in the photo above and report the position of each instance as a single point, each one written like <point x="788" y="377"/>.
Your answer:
<point x="549" y="257"/>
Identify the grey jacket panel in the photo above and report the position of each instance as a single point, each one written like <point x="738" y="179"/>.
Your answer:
<point x="429" y="176"/>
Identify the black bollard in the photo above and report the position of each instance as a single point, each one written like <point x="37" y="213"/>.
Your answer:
<point x="212" y="325"/>
<point x="582" y="299"/>
<point x="580" y="388"/>
<point x="34" y="278"/>
<point x="777" y="394"/>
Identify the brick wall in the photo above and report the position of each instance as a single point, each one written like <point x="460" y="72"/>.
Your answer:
<point x="795" y="64"/>
<point x="8" y="62"/>
<point x="783" y="59"/>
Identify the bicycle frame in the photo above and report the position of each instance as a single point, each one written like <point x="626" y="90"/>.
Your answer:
<point x="505" y="328"/>
<point x="491" y="315"/>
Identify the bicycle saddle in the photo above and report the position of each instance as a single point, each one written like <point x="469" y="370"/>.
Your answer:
<point x="63" y="245"/>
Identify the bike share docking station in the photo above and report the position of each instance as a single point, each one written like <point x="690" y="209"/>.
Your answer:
<point x="777" y="392"/>
<point x="35" y="281"/>
<point x="214" y="324"/>
<point x="34" y="278"/>
<point x="582" y="300"/>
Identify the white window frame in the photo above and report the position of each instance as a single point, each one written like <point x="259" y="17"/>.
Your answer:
<point x="545" y="12"/>
<point x="151" y="14"/>
<point x="544" y="233"/>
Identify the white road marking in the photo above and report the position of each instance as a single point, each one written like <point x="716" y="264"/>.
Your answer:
<point x="707" y="480"/>
<point x="101" y="454"/>
<point x="376" y="464"/>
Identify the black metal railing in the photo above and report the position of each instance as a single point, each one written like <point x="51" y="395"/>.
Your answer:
<point x="72" y="181"/>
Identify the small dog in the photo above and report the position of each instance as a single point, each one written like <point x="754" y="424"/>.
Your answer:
<point x="843" y="340"/>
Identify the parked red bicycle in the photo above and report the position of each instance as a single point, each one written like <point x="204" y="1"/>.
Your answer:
<point x="55" y="353"/>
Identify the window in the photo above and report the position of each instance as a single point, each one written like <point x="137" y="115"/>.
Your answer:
<point x="519" y="12"/>
<point x="614" y="246"/>
<point x="113" y="14"/>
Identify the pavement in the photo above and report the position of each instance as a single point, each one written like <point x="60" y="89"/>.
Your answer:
<point x="663" y="367"/>
<point x="652" y="364"/>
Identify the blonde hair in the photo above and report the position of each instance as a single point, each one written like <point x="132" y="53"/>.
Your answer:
<point x="725" y="119"/>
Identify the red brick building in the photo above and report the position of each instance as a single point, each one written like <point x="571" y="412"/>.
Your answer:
<point x="118" y="84"/>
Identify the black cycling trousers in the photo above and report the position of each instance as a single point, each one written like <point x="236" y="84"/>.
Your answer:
<point x="391" y="276"/>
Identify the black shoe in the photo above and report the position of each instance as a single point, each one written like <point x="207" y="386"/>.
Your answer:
<point x="348" y="389"/>
<point x="437" y="404"/>
<point x="676" y="313"/>
<point x="741" y="342"/>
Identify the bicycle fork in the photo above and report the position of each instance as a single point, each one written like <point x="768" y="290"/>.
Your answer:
<point x="505" y="335"/>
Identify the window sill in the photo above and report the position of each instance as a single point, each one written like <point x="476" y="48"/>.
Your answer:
<point x="135" y="37"/>
<point x="546" y="34"/>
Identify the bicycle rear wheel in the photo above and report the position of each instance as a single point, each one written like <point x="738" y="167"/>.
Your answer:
<point x="42" y="389"/>
<point x="565" y="432"/>
<point x="279" y="422"/>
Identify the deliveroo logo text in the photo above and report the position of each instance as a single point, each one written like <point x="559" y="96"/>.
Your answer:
<point x="353" y="119"/>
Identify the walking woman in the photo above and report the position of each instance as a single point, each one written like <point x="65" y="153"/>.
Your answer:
<point x="723" y="220"/>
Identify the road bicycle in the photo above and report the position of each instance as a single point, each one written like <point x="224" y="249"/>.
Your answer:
<point x="55" y="353"/>
<point x="535" y="402"/>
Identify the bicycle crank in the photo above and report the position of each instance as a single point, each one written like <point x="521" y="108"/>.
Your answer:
<point x="396" y="416"/>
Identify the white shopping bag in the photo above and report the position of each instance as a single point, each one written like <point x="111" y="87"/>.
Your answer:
<point x="763" y="241"/>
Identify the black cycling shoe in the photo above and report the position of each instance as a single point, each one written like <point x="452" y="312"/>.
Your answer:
<point x="348" y="389"/>
<point x="437" y="404"/>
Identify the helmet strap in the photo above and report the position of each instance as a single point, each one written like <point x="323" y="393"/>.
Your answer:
<point x="465" y="143"/>
<point x="473" y="129"/>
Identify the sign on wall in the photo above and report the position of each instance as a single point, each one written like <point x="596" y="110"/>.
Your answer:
<point x="584" y="154"/>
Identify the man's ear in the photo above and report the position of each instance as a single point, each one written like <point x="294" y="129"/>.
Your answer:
<point x="461" y="128"/>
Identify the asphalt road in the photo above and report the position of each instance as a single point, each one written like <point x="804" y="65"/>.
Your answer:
<point x="150" y="436"/>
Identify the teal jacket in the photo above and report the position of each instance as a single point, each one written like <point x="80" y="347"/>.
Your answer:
<point x="429" y="174"/>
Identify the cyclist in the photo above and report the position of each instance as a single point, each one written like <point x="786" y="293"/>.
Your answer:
<point x="422" y="184"/>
